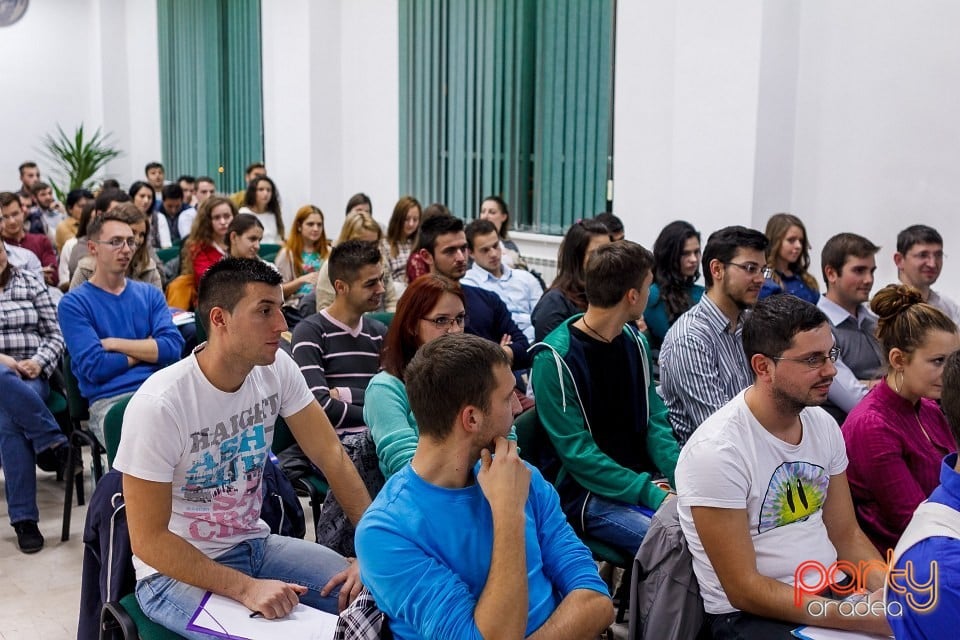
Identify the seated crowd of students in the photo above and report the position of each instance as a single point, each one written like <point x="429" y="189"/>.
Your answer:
<point x="647" y="387"/>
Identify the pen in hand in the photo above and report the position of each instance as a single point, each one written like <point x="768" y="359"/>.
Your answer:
<point x="256" y="614"/>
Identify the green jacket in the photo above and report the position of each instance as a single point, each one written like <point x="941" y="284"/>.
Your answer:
<point x="559" y="371"/>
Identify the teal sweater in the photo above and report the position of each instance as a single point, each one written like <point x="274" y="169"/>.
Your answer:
<point x="386" y="411"/>
<point x="561" y="413"/>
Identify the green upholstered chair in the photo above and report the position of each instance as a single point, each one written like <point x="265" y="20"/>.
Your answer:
<point x="125" y="619"/>
<point x="269" y="251"/>
<point x="78" y="409"/>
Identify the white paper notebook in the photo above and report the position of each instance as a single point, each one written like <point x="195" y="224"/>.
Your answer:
<point x="225" y="618"/>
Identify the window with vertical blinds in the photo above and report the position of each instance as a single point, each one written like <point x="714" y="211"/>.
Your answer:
<point x="508" y="97"/>
<point x="211" y="107"/>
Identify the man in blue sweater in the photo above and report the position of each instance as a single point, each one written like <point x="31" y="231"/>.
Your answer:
<point x="118" y="331"/>
<point x="443" y="246"/>
<point x="468" y="541"/>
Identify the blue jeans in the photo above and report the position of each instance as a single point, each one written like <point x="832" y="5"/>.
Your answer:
<point x="172" y="604"/>
<point x="617" y="524"/>
<point x="26" y="428"/>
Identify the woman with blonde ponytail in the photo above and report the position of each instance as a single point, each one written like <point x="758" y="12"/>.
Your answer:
<point x="897" y="436"/>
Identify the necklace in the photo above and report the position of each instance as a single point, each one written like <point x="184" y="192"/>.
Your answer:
<point x="594" y="331"/>
<point x="916" y="415"/>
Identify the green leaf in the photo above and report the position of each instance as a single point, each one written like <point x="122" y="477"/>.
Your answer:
<point x="78" y="157"/>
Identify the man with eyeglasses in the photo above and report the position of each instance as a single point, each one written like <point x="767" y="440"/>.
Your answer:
<point x="919" y="259"/>
<point x="702" y="364"/>
<point x="443" y="246"/>
<point x="118" y="331"/>
<point x="15" y="234"/>
<point x="598" y="403"/>
<point x="338" y="348"/>
<point x="764" y="502"/>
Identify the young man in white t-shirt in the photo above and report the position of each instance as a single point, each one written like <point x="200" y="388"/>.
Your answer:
<point x="195" y="439"/>
<point x="763" y="490"/>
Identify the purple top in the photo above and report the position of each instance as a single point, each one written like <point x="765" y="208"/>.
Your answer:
<point x="893" y="466"/>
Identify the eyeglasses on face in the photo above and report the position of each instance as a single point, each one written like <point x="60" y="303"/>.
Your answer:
<point x="445" y="322"/>
<point x="815" y="361"/>
<point x="117" y="243"/>
<point x="752" y="268"/>
<point x="924" y="256"/>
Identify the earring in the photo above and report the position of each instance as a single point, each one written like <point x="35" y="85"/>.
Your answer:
<point x="898" y="380"/>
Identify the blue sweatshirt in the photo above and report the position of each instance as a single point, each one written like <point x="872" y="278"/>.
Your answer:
<point x="88" y="314"/>
<point x="425" y="552"/>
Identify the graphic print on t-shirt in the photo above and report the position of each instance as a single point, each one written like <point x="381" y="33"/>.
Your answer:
<point x="222" y="487"/>
<point x="796" y="491"/>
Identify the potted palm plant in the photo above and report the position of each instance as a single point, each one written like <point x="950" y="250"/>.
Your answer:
<point x="77" y="157"/>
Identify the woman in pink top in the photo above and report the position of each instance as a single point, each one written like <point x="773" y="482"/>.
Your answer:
<point x="897" y="436"/>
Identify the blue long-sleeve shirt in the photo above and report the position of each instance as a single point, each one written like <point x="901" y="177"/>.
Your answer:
<point x="425" y="552"/>
<point x="88" y="314"/>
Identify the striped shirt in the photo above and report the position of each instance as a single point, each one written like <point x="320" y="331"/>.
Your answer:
<point x="28" y="321"/>
<point x="331" y="355"/>
<point x="702" y="366"/>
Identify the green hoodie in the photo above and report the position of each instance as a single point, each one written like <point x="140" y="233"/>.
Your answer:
<point x="561" y="413"/>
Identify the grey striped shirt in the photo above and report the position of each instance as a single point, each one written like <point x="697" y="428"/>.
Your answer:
<point x="702" y="366"/>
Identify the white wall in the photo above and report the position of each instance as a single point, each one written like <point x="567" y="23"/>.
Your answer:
<point x="331" y="103"/>
<point x="72" y="62"/>
<point x="44" y="63"/>
<point x="841" y="112"/>
<point x="878" y="135"/>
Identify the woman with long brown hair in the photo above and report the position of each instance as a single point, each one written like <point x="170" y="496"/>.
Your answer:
<point x="207" y="243"/>
<point x="430" y="307"/>
<point x="401" y="236"/>
<point x="788" y="254"/>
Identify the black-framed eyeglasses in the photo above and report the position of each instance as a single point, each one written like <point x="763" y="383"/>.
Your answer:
<point x="752" y="268"/>
<point x="815" y="361"/>
<point x="445" y="322"/>
<point x="117" y="243"/>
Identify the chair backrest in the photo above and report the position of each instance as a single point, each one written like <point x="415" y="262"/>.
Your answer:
<point x="112" y="426"/>
<point x="386" y="317"/>
<point x="528" y="434"/>
<point x="77" y="405"/>
<point x="282" y="436"/>
<point x="269" y="251"/>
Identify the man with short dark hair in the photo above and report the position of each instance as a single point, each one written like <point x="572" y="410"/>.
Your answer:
<point x="443" y="246"/>
<point x="118" y="331"/>
<point x="922" y="597"/>
<point x="613" y="223"/>
<point x="764" y="501"/>
<point x="517" y="288"/>
<point x="108" y="200"/>
<point x="168" y="231"/>
<point x="338" y="348"/>
<point x="14" y="233"/>
<point x="598" y="403"/>
<point x="48" y="210"/>
<point x="196" y="437"/>
<point x="468" y="541"/>
<point x="919" y="260"/>
<point x="848" y="264"/>
<point x="29" y="176"/>
<point x="206" y="187"/>
<point x="188" y="210"/>
<point x="702" y="364"/>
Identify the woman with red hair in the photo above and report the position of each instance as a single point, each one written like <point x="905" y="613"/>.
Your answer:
<point x="430" y="307"/>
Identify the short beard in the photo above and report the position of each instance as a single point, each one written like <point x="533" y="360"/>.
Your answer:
<point x="787" y="404"/>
